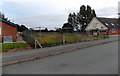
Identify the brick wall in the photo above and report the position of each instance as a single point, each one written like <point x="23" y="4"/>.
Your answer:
<point x="117" y="32"/>
<point x="8" y="30"/>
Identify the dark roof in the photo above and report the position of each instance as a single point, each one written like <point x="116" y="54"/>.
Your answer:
<point x="109" y="22"/>
<point x="8" y="22"/>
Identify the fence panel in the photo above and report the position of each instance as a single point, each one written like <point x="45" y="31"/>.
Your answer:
<point x="28" y="38"/>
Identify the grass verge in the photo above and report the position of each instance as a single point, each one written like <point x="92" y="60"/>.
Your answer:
<point x="8" y="46"/>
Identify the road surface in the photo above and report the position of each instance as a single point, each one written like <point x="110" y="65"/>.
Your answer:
<point x="20" y="55"/>
<point x="100" y="59"/>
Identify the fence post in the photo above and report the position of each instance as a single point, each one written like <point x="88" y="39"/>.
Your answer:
<point x="35" y="44"/>
<point x="39" y="43"/>
<point x="63" y="38"/>
<point x="77" y="39"/>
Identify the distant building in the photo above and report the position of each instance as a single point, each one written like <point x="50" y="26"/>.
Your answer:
<point x="8" y="31"/>
<point x="99" y="25"/>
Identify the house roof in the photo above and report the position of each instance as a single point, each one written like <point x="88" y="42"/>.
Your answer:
<point x="109" y="22"/>
<point x="8" y="22"/>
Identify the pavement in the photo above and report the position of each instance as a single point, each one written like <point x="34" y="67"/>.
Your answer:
<point x="22" y="55"/>
<point x="100" y="59"/>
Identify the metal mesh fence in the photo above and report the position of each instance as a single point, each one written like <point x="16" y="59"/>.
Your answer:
<point x="47" y="39"/>
<point x="28" y="38"/>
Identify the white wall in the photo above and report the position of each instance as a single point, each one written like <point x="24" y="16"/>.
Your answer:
<point x="95" y="24"/>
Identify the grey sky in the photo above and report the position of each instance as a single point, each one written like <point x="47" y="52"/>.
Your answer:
<point x="53" y="13"/>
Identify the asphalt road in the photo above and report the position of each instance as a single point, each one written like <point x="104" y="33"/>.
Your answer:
<point x="101" y="59"/>
<point x="40" y="52"/>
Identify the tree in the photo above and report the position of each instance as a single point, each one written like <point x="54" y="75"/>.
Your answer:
<point x="44" y="30"/>
<point x="88" y="14"/>
<point x="83" y="11"/>
<point x="23" y="28"/>
<point x="3" y="16"/>
<point x="58" y="30"/>
<point x="18" y="27"/>
<point x="70" y="18"/>
<point x="67" y="27"/>
<point x="82" y="18"/>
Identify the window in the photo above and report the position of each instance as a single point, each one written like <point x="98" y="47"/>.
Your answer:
<point x="112" y="24"/>
<point x="113" y="30"/>
<point x="106" y="24"/>
<point x="103" y="31"/>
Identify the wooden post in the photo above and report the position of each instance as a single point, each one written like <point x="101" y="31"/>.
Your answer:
<point x="35" y="44"/>
<point x="63" y="38"/>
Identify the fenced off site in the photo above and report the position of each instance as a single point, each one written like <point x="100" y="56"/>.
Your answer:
<point x="48" y="39"/>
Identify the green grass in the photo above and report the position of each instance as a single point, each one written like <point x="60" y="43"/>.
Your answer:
<point x="8" y="46"/>
<point x="100" y="37"/>
<point x="0" y="47"/>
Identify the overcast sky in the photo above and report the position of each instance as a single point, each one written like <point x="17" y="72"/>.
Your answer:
<point x="53" y="13"/>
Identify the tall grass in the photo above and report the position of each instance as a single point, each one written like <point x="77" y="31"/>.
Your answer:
<point x="49" y="39"/>
<point x="68" y="38"/>
<point x="56" y="39"/>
